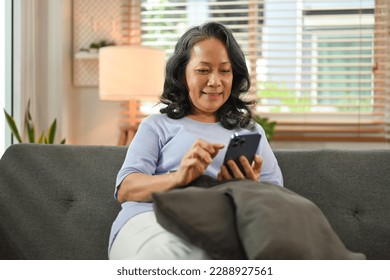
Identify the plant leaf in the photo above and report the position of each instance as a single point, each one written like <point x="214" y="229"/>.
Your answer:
<point x="41" y="138"/>
<point x="52" y="132"/>
<point x="28" y="110"/>
<point x="268" y="126"/>
<point x="63" y="141"/>
<point x="29" y="124"/>
<point x="12" y="126"/>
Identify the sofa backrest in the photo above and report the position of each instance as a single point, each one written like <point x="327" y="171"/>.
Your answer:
<point x="56" y="201"/>
<point x="351" y="187"/>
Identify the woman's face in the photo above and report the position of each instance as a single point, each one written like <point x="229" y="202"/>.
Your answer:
<point x="209" y="77"/>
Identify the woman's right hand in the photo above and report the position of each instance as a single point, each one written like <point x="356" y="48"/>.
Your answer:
<point x="140" y="187"/>
<point x="195" y="161"/>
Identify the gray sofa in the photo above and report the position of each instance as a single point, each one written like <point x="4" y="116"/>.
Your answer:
<point x="56" y="201"/>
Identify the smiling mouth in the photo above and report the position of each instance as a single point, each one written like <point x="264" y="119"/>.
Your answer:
<point x="212" y="94"/>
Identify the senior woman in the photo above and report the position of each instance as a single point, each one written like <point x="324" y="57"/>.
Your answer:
<point x="202" y="107"/>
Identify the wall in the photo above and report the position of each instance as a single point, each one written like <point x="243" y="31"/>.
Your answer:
<point x="86" y="119"/>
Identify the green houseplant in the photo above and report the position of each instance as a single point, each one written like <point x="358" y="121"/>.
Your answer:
<point x="103" y="43"/>
<point x="269" y="126"/>
<point x="44" y="138"/>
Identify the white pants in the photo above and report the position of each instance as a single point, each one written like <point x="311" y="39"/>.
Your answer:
<point x="142" y="238"/>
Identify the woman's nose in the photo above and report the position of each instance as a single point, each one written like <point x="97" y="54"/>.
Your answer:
<point x="214" y="80"/>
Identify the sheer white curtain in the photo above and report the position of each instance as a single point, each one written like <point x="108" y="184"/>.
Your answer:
<point x="25" y="58"/>
<point x="37" y="62"/>
<point x="5" y="71"/>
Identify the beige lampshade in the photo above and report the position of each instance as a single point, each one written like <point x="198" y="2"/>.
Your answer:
<point x="130" y="72"/>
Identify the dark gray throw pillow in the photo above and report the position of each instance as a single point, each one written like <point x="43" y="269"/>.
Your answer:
<point x="203" y="217"/>
<point x="276" y="223"/>
<point x="272" y="222"/>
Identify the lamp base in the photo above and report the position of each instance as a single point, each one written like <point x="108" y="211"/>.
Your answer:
<point x="131" y="116"/>
<point x="126" y="134"/>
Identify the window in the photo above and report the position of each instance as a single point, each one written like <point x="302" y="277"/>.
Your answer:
<point x="319" y="68"/>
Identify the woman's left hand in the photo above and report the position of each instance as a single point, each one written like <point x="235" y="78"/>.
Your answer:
<point x="252" y="172"/>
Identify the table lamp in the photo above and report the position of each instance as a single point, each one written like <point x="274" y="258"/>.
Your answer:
<point x="130" y="73"/>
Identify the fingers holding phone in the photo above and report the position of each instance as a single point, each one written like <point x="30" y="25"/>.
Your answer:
<point x="241" y="161"/>
<point x="251" y="171"/>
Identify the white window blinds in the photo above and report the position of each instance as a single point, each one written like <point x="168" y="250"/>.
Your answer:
<point x="318" y="68"/>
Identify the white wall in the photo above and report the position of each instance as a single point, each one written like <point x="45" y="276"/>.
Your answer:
<point x="86" y="119"/>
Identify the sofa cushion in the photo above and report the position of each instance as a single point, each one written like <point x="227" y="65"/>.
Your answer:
<point x="57" y="201"/>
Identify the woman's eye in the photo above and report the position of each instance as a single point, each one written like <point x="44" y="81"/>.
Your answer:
<point x="202" y="71"/>
<point x="225" y="70"/>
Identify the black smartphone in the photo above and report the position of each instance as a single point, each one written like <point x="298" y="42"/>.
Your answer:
<point x="242" y="145"/>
